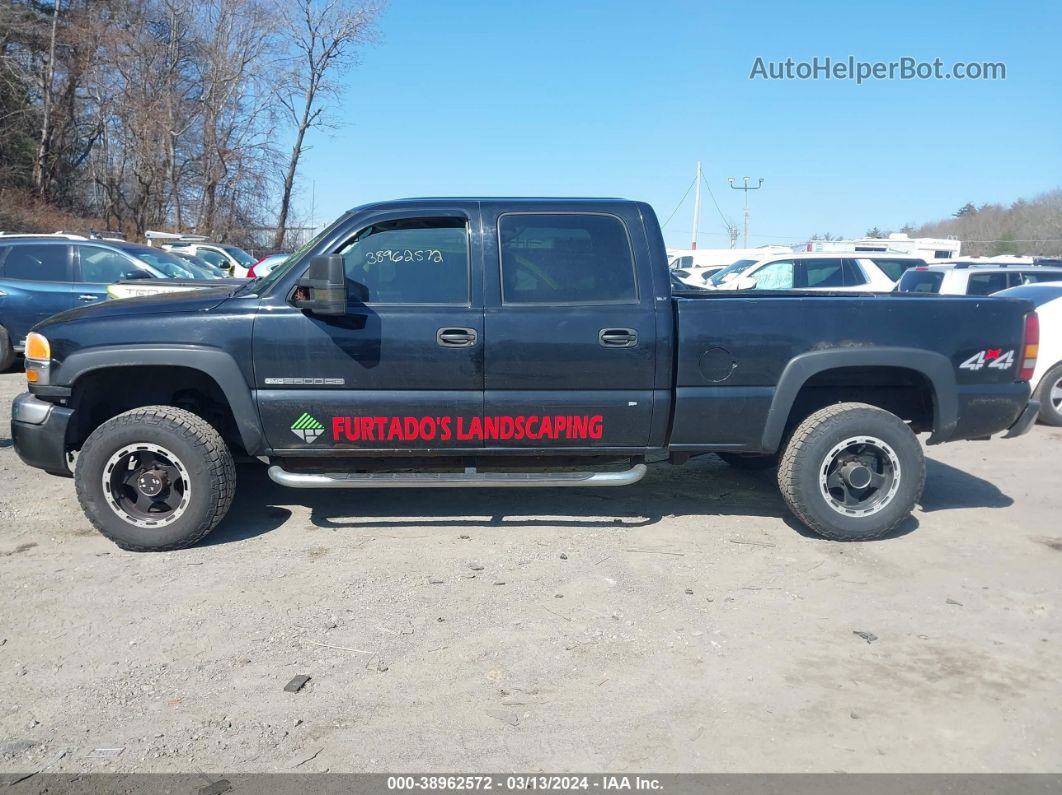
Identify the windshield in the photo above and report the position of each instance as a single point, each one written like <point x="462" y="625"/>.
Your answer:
<point x="163" y="261"/>
<point x="731" y="271"/>
<point x="241" y="256"/>
<point x="213" y="270"/>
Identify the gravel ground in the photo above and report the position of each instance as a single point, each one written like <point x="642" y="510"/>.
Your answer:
<point x="683" y="624"/>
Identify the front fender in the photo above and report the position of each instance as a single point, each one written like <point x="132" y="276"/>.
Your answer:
<point x="935" y="367"/>
<point x="217" y="364"/>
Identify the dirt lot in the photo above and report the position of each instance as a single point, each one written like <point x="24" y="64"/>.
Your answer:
<point x="683" y="624"/>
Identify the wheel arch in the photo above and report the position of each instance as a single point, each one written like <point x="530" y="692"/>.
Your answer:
<point x="216" y="365"/>
<point x="934" y="367"/>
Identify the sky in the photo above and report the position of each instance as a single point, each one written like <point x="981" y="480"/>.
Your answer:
<point x="585" y="98"/>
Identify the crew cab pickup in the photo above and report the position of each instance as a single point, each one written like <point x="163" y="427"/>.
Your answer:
<point x="508" y="343"/>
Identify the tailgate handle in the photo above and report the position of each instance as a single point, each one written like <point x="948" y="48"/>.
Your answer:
<point x="618" y="337"/>
<point x="456" y="337"/>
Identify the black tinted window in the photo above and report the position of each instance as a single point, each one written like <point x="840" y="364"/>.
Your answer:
<point x="853" y="274"/>
<point x="986" y="283"/>
<point x="915" y="281"/>
<point x="104" y="265"/>
<point x="215" y="258"/>
<point x="822" y="273"/>
<point x="41" y="263"/>
<point x="412" y="261"/>
<point x="559" y="259"/>
<point x="1032" y="277"/>
<point x="895" y="268"/>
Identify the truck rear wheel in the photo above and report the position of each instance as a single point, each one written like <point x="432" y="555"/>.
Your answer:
<point x="155" y="478"/>
<point x="852" y="472"/>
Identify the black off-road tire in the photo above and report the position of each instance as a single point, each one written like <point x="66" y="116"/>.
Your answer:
<point x="749" y="462"/>
<point x="206" y="458"/>
<point x="808" y="450"/>
<point x="1049" y="415"/>
<point x="7" y="350"/>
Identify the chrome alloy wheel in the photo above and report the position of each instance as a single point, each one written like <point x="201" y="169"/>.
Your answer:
<point x="146" y="485"/>
<point x="859" y="476"/>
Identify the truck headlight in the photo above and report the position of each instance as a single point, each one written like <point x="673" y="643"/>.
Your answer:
<point x="38" y="358"/>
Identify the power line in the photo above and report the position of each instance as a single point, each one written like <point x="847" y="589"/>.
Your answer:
<point x="677" y="206"/>
<point x="719" y="209"/>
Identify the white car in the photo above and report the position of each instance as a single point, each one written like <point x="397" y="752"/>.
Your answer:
<point x="222" y="255"/>
<point x="1047" y="376"/>
<point x="694" y="266"/>
<point x="845" y="271"/>
<point x="974" y="278"/>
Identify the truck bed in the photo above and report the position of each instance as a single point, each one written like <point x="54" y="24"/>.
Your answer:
<point x="740" y="358"/>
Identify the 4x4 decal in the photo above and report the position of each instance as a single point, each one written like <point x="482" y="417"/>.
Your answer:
<point x="307" y="428"/>
<point x="989" y="357"/>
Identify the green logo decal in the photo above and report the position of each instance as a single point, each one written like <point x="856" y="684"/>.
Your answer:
<point x="307" y="428"/>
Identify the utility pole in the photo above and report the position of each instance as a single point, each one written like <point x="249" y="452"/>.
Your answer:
<point x="746" y="187"/>
<point x="696" y="206"/>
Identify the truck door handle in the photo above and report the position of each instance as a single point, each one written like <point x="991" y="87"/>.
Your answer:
<point x="87" y="297"/>
<point x="618" y="337"/>
<point x="456" y="337"/>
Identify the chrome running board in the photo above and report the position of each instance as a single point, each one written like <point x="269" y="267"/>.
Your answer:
<point x="439" y="480"/>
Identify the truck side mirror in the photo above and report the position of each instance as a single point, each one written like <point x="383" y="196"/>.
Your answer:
<point x="323" y="288"/>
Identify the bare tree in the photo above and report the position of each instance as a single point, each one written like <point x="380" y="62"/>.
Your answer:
<point x="236" y="93"/>
<point x="46" y="102"/>
<point x="324" y="36"/>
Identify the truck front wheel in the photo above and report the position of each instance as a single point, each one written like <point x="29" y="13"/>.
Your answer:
<point x="852" y="472"/>
<point x="155" y="478"/>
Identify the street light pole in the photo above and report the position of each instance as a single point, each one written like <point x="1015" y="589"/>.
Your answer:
<point x="746" y="188"/>
<point x="696" y="207"/>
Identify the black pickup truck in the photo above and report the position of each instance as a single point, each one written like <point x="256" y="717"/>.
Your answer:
<point x="504" y="343"/>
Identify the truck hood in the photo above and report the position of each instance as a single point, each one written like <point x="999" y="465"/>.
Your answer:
<point x="162" y="303"/>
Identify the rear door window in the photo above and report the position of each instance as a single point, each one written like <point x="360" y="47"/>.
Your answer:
<point x="986" y="283"/>
<point x="38" y="262"/>
<point x="821" y="273"/>
<point x="575" y="258"/>
<point x="895" y="268"/>
<point x="916" y="281"/>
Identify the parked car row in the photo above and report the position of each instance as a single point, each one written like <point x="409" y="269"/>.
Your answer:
<point x="42" y="275"/>
<point x="1036" y="279"/>
<point x="820" y="270"/>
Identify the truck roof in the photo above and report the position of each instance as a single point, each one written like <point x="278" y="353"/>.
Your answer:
<point x="434" y="200"/>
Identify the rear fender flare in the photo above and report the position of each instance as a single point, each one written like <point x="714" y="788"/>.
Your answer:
<point x="936" y="367"/>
